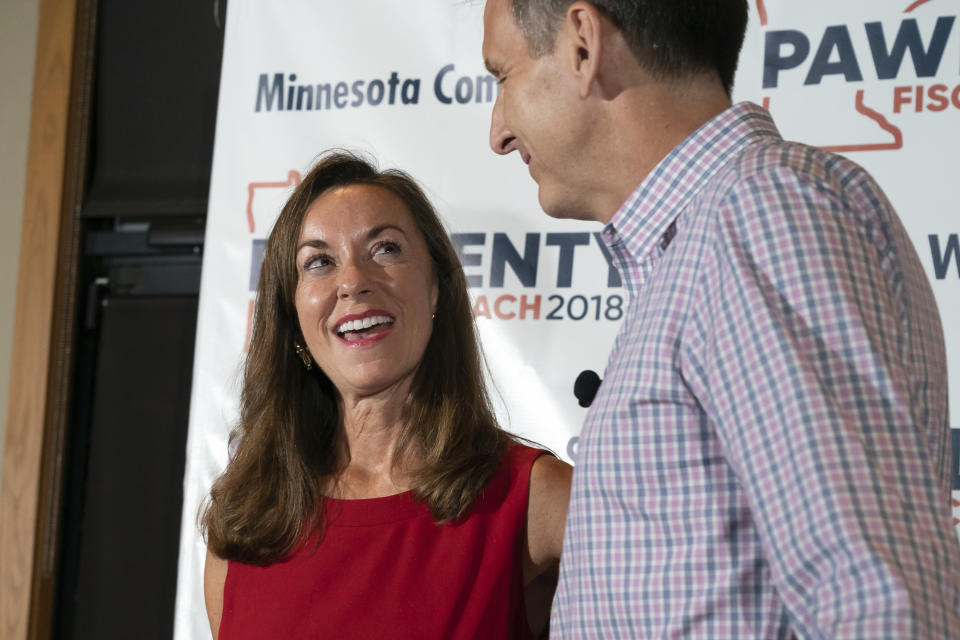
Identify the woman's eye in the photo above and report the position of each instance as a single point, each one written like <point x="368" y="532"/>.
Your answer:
<point x="316" y="262"/>
<point x="385" y="247"/>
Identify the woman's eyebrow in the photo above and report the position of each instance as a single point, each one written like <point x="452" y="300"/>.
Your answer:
<point x="375" y="231"/>
<point x="371" y="234"/>
<point x="316" y="244"/>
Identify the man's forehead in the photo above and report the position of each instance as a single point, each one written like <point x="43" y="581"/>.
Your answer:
<point x="499" y="30"/>
<point x="494" y="8"/>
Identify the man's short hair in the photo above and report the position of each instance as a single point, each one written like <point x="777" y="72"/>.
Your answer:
<point x="669" y="38"/>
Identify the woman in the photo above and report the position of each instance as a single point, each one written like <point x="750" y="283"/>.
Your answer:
<point x="372" y="493"/>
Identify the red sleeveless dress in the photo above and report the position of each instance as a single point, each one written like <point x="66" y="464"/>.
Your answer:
<point x="385" y="570"/>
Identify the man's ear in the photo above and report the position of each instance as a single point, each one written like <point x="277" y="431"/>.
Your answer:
<point x="584" y="44"/>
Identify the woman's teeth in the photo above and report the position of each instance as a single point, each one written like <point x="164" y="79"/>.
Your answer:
<point x="363" y="323"/>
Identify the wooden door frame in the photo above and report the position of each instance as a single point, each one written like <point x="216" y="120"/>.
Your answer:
<point x="44" y="319"/>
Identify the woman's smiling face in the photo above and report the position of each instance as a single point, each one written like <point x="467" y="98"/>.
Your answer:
<point x="366" y="289"/>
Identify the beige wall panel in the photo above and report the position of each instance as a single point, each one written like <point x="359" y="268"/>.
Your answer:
<point x="18" y="43"/>
<point x="33" y="310"/>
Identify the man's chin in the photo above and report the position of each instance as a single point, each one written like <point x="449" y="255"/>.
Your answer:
<point x="562" y="208"/>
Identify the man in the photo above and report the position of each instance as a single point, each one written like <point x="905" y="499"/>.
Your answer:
<point x="767" y="455"/>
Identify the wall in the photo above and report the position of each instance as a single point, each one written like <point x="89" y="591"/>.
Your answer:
<point x="18" y="42"/>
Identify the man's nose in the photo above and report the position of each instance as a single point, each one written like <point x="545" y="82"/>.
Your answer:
<point x="502" y="140"/>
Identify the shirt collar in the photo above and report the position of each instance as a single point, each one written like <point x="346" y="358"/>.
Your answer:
<point x="644" y="217"/>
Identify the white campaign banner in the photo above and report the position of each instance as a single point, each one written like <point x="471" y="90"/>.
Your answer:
<point x="877" y="80"/>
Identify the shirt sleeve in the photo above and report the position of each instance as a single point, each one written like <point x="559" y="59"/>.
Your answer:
<point x="819" y="367"/>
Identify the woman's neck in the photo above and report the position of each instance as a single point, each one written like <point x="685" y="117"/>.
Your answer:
<point x="370" y="435"/>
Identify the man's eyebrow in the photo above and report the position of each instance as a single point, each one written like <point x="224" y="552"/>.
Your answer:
<point x="492" y="69"/>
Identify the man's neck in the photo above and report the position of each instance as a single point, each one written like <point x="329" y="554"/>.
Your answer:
<point x="649" y="120"/>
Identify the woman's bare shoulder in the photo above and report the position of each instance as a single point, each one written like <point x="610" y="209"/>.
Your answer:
<point x="214" y="577"/>
<point x="547" y="508"/>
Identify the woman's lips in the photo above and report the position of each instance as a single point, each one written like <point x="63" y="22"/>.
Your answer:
<point x="364" y="338"/>
<point x="360" y="316"/>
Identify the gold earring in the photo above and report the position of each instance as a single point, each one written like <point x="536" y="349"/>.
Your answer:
<point x="304" y="356"/>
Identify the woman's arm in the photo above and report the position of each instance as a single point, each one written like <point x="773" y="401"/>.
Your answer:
<point x="546" y="514"/>
<point x="214" y="576"/>
<point x="546" y="519"/>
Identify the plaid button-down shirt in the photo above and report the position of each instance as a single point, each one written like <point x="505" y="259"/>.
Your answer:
<point x="768" y="453"/>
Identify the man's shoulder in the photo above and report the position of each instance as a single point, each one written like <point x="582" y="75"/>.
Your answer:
<point x="774" y="160"/>
<point x="771" y="173"/>
<point x="774" y="183"/>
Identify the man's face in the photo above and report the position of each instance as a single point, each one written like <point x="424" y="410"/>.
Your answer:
<point x="537" y="113"/>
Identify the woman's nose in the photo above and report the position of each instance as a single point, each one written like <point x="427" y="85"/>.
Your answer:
<point x="353" y="282"/>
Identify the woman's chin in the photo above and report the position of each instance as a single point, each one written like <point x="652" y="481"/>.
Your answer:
<point x="374" y="385"/>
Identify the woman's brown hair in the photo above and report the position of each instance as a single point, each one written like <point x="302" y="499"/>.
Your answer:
<point x="269" y="496"/>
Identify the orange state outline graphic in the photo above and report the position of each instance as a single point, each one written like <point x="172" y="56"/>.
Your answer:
<point x="293" y="180"/>
<point x="858" y="103"/>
